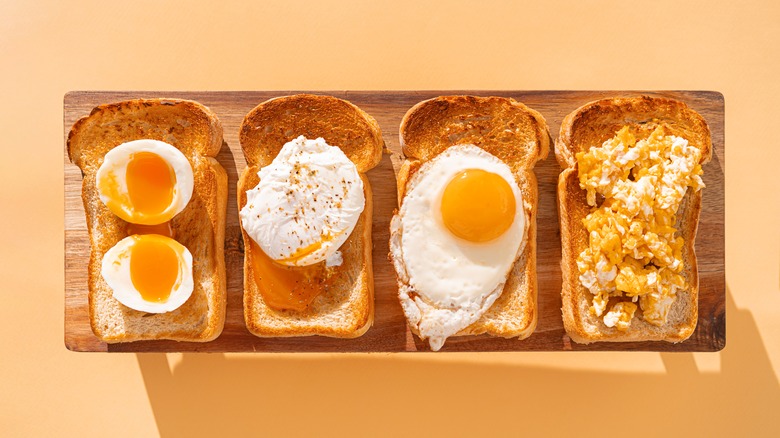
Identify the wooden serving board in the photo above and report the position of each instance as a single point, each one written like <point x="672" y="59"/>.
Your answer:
<point x="389" y="332"/>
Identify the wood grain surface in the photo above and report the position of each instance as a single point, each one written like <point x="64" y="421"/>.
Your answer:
<point x="389" y="332"/>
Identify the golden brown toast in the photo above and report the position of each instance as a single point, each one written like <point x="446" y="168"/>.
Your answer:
<point x="346" y="310"/>
<point x="519" y="137"/>
<point x="195" y="130"/>
<point x="589" y="126"/>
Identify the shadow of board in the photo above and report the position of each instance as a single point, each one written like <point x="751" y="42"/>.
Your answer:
<point x="210" y="394"/>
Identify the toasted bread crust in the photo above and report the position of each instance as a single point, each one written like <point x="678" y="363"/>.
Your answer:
<point x="277" y="121"/>
<point x="518" y="136"/>
<point x="499" y="125"/>
<point x="347" y="310"/>
<point x="196" y="131"/>
<point x="589" y="126"/>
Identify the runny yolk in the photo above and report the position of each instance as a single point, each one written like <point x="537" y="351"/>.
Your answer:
<point x="286" y="287"/>
<point x="163" y="229"/>
<point x="150" y="182"/>
<point x="477" y="205"/>
<point x="154" y="268"/>
<point x="300" y="253"/>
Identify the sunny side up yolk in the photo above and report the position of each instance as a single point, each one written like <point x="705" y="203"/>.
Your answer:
<point x="150" y="182"/>
<point x="478" y="206"/>
<point x="154" y="268"/>
<point x="286" y="287"/>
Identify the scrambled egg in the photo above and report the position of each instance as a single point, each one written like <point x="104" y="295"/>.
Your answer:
<point x="633" y="254"/>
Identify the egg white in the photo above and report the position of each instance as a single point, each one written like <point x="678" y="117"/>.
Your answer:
<point x="115" y="270"/>
<point x="310" y="196"/>
<point x="113" y="171"/>
<point x="448" y="283"/>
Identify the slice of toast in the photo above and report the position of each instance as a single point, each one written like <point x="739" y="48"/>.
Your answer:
<point x="346" y="310"/>
<point x="589" y="126"/>
<point x="196" y="131"/>
<point x="519" y="137"/>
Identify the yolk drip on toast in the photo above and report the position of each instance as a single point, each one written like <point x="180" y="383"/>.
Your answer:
<point x="163" y="229"/>
<point x="287" y="287"/>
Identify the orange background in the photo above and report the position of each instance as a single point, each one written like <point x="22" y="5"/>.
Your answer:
<point x="48" y="48"/>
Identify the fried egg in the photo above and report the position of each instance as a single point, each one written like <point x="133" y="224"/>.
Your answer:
<point x="149" y="273"/>
<point x="460" y="228"/>
<point x="145" y="182"/>
<point x="306" y="204"/>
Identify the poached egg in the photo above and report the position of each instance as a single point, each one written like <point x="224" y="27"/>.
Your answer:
<point x="306" y="205"/>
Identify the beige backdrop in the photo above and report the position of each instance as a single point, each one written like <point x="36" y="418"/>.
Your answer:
<point x="48" y="48"/>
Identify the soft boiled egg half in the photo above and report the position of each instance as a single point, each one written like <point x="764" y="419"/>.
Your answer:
<point x="145" y="182"/>
<point x="149" y="273"/>
<point x="460" y="228"/>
